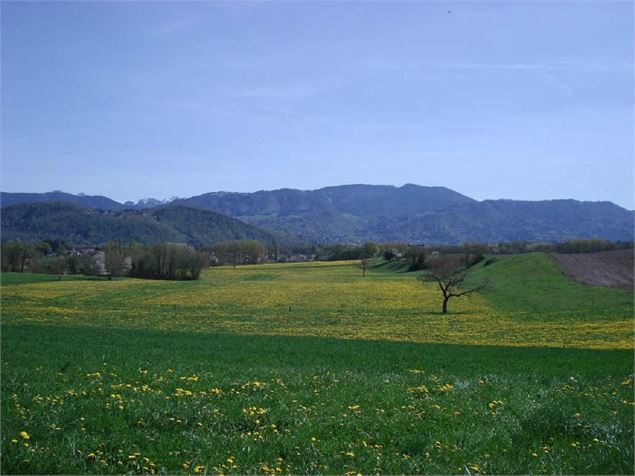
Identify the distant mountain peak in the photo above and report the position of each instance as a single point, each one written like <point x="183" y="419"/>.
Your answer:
<point x="149" y="202"/>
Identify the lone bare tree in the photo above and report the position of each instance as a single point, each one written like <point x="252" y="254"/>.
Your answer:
<point x="365" y="264"/>
<point x="450" y="273"/>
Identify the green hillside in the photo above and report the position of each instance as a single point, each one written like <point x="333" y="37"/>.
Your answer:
<point x="534" y="284"/>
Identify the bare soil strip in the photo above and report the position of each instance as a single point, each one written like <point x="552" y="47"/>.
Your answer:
<point x="608" y="268"/>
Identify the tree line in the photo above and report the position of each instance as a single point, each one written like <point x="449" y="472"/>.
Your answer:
<point x="237" y="252"/>
<point x="174" y="261"/>
<point x="180" y="261"/>
<point x="159" y="261"/>
<point x="415" y="254"/>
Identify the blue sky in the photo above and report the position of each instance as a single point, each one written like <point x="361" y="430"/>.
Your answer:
<point x="523" y="100"/>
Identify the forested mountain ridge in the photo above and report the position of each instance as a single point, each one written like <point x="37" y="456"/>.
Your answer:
<point x="84" y="226"/>
<point x="354" y="200"/>
<point x="416" y="214"/>
<point x="411" y="213"/>
<point x="98" y="202"/>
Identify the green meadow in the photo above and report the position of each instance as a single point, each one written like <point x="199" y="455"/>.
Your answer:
<point x="312" y="368"/>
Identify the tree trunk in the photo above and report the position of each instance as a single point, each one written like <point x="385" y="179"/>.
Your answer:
<point x="445" y="305"/>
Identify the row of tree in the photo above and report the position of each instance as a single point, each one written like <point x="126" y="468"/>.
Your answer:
<point x="158" y="261"/>
<point x="163" y="261"/>
<point x="20" y="256"/>
<point x="589" y="246"/>
<point x="237" y="252"/>
<point x="179" y="261"/>
<point x="416" y="255"/>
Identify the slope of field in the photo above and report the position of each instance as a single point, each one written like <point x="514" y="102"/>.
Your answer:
<point x="532" y="286"/>
<point x="609" y="268"/>
<point x="310" y="368"/>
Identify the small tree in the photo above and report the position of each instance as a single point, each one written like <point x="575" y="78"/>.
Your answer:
<point x="450" y="273"/>
<point x="19" y="253"/>
<point x="370" y="249"/>
<point x="390" y="254"/>
<point x="416" y="256"/>
<point x="365" y="265"/>
<point x="196" y="261"/>
<point x="48" y="265"/>
<point x="43" y="248"/>
<point x="114" y="258"/>
<point x="73" y="264"/>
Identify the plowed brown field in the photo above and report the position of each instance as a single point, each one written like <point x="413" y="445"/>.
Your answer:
<point x="607" y="268"/>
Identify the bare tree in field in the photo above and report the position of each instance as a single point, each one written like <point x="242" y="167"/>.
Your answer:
<point x="450" y="273"/>
<point x="365" y="265"/>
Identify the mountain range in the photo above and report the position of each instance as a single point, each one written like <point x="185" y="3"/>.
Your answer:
<point x="358" y="213"/>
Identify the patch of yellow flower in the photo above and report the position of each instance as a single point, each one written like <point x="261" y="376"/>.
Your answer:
<point x="254" y="411"/>
<point x="191" y="378"/>
<point x="421" y="389"/>
<point x="321" y="299"/>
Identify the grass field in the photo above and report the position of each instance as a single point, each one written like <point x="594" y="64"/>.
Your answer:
<point x="310" y="368"/>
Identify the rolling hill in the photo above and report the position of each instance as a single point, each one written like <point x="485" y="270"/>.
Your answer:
<point x="84" y="226"/>
<point x="98" y="202"/>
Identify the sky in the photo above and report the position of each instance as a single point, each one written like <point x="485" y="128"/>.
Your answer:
<point x="523" y="100"/>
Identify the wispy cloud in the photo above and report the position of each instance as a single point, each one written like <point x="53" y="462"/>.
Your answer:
<point x="546" y="71"/>
<point x="183" y="105"/>
<point x="389" y="64"/>
<point x="379" y="126"/>
<point x="176" y="25"/>
<point x="558" y="82"/>
<point x="274" y="91"/>
<point x="551" y="72"/>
